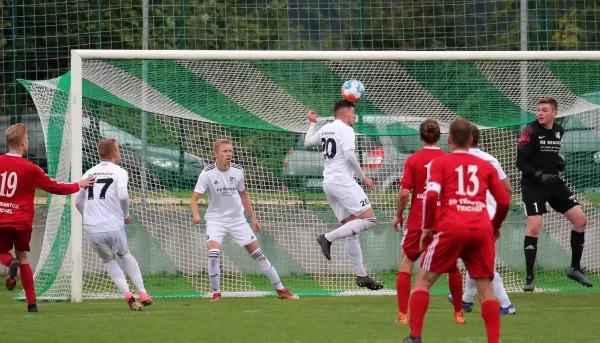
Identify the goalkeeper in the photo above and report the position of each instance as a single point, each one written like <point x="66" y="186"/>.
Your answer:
<point x="539" y="163"/>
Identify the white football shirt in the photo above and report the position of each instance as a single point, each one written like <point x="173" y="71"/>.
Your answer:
<point x="335" y="138"/>
<point x="491" y="202"/>
<point x="103" y="211"/>
<point x="224" y="202"/>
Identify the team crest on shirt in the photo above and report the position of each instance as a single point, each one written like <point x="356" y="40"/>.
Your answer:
<point x="232" y="179"/>
<point x="557" y="135"/>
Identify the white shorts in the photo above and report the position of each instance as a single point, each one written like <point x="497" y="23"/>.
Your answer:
<point x="240" y="232"/>
<point x="107" y="244"/>
<point x="346" y="200"/>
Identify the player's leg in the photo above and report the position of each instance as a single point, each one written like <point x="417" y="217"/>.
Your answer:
<point x="534" y="202"/>
<point x="403" y="284"/>
<point x="490" y="309"/>
<point x="506" y="307"/>
<point x="562" y="200"/>
<point x="132" y="268"/>
<point x="419" y="302"/>
<point x="21" y="239"/>
<point x="214" y="239"/>
<point x="455" y="285"/>
<point x="7" y="259"/>
<point x="469" y="295"/>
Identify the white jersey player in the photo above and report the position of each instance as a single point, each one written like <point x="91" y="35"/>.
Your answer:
<point x="345" y="197"/>
<point x="506" y="307"/>
<point x="227" y="198"/>
<point x="105" y="211"/>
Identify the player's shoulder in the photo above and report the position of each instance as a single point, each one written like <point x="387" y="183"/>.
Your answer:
<point x="531" y="128"/>
<point x="236" y="167"/>
<point x="209" y="167"/>
<point x="557" y="127"/>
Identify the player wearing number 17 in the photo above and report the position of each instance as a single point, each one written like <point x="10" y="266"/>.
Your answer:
<point x="464" y="230"/>
<point x="19" y="179"/>
<point x="105" y="211"/>
<point x="346" y="198"/>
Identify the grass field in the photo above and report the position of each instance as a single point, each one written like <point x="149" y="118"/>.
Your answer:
<point x="549" y="317"/>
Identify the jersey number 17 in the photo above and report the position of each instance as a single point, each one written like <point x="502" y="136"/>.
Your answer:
<point x="106" y="182"/>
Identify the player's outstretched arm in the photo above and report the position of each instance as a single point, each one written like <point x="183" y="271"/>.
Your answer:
<point x="43" y="181"/>
<point x="248" y="208"/>
<point x="406" y="185"/>
<point x="312" y="138"/>
<point x="355" y="166"/>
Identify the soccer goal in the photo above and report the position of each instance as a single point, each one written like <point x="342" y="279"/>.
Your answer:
<point x="165" y="108"/>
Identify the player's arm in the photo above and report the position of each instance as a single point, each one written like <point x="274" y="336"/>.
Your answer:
<point x="312" y="136"/>
<point x="406" y="185"/>
<point x="123" y="195"/>
<point x="43" y="181"/>
<point x="503" y="178"/>
<point x="247" y="204"/>
<point x="432" y="194"/>
<point x="80" y="198"/>
<point x="561" y="165"/>
<point x="347" y="147"/>
<point x="502" y="200"/>
<point x="201" y="187"/>
<point x="524" y="149"/>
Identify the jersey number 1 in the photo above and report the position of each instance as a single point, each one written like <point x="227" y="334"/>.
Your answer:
<point x="106" y="182"/>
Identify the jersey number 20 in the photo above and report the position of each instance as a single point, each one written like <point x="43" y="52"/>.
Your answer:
<point x="329" y="148"/>
<point x="106" y="182"/>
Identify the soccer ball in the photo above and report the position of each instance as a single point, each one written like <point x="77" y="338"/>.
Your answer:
<point x="353" y="90"/>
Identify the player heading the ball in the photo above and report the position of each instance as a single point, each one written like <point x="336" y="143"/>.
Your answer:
<point x="19" y="179"/>
<point x="459" y="181"/>
<point x="539" y="163"/>
<point x="105" y="211"/>
<point x="346" y="198"/>
<point x="227" y="199"/>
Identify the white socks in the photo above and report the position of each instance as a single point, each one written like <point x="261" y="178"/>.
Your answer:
<point x="267" y="268"/>
<point x="116" y="274"/>
<point x="214" y="269"/>
<point x="351" y="228"/>
<point x="133" y="270"/>
<point x="355" y="252"/>
<point x="499" y="291"/>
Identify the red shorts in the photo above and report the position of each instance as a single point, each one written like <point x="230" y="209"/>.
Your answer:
<point x="410" y="243"/>
<point x="10" y="237"/>
<point x="475" y="247"/>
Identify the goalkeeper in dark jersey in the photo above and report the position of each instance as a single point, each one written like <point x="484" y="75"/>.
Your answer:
<point x="539" y="163"/>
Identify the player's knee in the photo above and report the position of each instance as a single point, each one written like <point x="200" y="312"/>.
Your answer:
<point x="22" y="257"/>
<point x="369" y="223"/>
<point x="534" y="227"/>
<point x="406" y="265"/>
<point x="580" y="224"/>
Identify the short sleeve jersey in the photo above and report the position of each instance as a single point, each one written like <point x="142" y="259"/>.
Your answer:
<point x="491" y="202"/>
<point x="223" y="187"/>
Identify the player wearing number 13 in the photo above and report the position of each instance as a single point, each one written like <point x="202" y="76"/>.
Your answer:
<point x="105" y="211"/>
<point x="19" y="179"/>
<point x="346" y="198"/>
<point x="464" y="230"/>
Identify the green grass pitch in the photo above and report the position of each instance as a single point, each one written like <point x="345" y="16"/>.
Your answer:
<point x="541" y="317"/>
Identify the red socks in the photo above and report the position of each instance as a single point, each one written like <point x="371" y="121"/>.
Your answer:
<point x="490" y="312"/>
<point x="5" y="258"/>
<point x="403" y="291"/>
<point x="455" y="285"/>
<point x="27" y="281"/>
<point x="419" y="302"/>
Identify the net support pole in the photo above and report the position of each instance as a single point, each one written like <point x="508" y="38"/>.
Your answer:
<point x="144" y="128"/>
<point x="524" y="24"/>
<point x="76" y="106"/>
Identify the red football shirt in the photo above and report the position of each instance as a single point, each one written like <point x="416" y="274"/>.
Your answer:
<point x="414" y="179"/>
<point x="464" y="180"/>
<point x="18" y="180"/>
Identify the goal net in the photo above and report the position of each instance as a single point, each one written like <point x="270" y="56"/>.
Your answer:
<point x="166" y="113"/>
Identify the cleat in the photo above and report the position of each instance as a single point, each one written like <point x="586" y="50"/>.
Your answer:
<point x="145" y="299"/>
<point x="459" y="318"/>
<point x="508" y="310"/>
<point x="32" y="308"/>
<point x="411" y="339"/>
<point x="577" y="275"/>
<point x="529" y="285"/>
<point x="325" y="246"/>
<point x="215" y="297"/>
<point x="11" y="278"/>
<point x="402" y="319"/>
<point x="365" y="281"/>
<point x="285" y="294"/>
<point x="134" y="305"/>
<point x="467" y="307"/>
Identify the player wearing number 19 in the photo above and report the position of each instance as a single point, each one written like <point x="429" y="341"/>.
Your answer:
<point x="19" y="179"/>
<point x="346" y="198"/>
<point x="105" y="211"/>
<point x="464" y="230"/>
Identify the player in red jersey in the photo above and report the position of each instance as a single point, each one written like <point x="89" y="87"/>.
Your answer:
<point x="416" y="170"/>
<point x="18" y="180"/>
<point x="460" y="182"/>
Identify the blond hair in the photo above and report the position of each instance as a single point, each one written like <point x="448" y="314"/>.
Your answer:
<point x="217" y="144"/>
<point x="15" y="135"/>
<point x="106" y="147"/>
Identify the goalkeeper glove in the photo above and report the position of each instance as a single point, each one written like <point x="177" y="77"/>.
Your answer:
<point x="561" y="164"/>
<point x="547" y="179"/>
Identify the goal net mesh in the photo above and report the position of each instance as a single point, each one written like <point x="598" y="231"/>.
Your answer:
<point x="165" y="116"/>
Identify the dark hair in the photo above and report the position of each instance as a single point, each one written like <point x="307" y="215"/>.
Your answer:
<point x="341" y="104"/>
<point x="429" y="131"/>
<point x="550" y="101"/>
<point x="460" y="132"/>
<point x="475" y="135"/>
